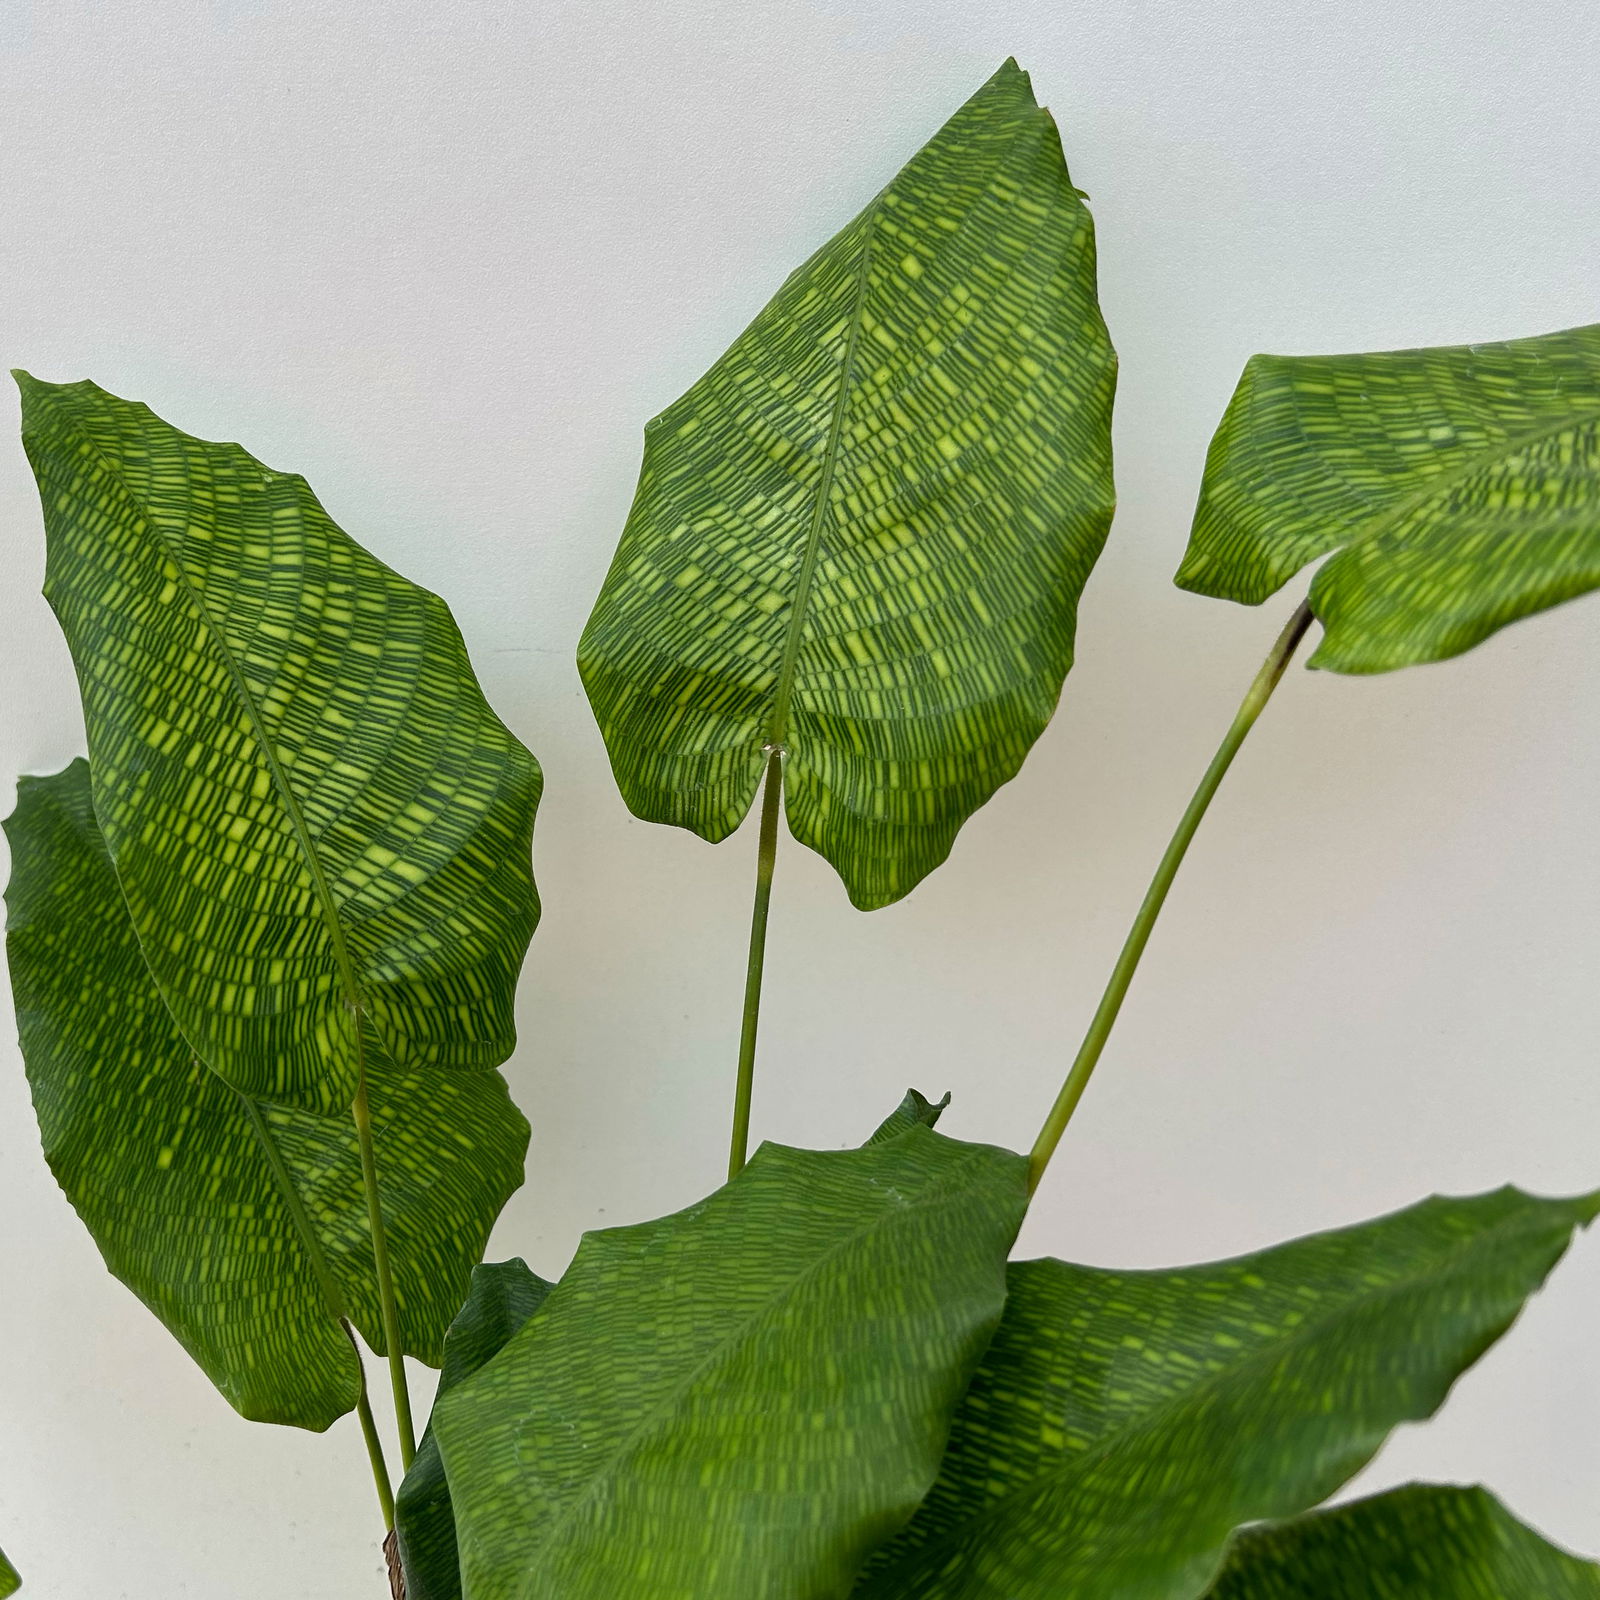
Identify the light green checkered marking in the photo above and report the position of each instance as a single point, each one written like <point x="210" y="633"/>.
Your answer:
<point x="863" y="534"/>
<point x="241" y="1224"/>
<point x="1423" y="1542"/>
<point x="739" y="1401"/>
<point x="312" y="810"/>
<point x="1122" y="1424"/>
<point x="1455" y="490"/>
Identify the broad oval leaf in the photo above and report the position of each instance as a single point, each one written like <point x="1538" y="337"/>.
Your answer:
<point x="9" y="1581"/>
<point x="1422" y="1542"/>
<point x="1459" y="487"/>
<point x="1123" y="1423"/>
<point x="314" y="814"/>
<point x="241" y="1224"/>
<point x="503" y="1296"/>
<point x="863" y="534"/>
<point x="737" y="1402"/>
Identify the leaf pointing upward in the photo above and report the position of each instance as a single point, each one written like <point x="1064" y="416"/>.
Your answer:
<point x="863" y="534"/>
<point x="321" y="828"/>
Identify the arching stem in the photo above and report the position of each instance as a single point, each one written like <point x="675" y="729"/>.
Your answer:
<point x="766" y="857"/>
<point x="1139" y="935"/>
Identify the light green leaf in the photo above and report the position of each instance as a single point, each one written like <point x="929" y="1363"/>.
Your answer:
<point x="737" y="1402"/>
<point x="9" y="1581"/>
<point x="1123" y="1423"/>
<point x="1459" y="486"/>
<point x="1418" y="1543"/>
<point x="863" y="534"/>
<point x="503" y="1296"/>
<point x="241" y="1224"/>
<point x="313" y="812"/>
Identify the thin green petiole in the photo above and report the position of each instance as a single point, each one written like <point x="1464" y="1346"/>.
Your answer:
<point x="380" y="1261"/>
<point x="332" y="1295"/>
<point x="369" y="1433"/>
<point x="766" y="857"/>
<point x="1105" y="1016"/>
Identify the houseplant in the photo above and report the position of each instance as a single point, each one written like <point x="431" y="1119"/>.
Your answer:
<point x="264" y="943"/>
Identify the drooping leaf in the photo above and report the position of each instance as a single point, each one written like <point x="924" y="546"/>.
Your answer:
<point x="863" y="534"/>
<point x="314" y="815"/>
<point x="9" y="1581"/>
<point x="1459" y="486"/>
<point x="1123" y="1423"/>
<point x="916" y="1110"/>
<point x="738" y="1401"/>
<point x="1423" y="1542"/>
<point x="503" y="1296"/>
<point x="241" y="1224"/>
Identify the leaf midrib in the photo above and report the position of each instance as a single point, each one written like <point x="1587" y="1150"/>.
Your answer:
<point x="669" y="1402"/>
<point x="1071" y="1465"/>
<point x="1382" y="520"/>
<point x="321" y="892"/>
<point x="778" y="718"/>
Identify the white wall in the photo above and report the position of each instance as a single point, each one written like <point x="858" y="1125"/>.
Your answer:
<point x="447" y="259"/>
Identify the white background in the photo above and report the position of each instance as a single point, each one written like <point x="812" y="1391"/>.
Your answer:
<point x="447" y="259"/>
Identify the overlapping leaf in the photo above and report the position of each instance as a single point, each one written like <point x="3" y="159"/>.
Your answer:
<point x="314" y="815"/>
<point x="1422" y="1542"/>
<point x="240" y="1223"/>
<point x="1459" y="486"/>
<point x="863" y="534"/>
<point x="737" y="1402"/>
<point x="1123" y="1423"/>
<point x="503" y="1296"/>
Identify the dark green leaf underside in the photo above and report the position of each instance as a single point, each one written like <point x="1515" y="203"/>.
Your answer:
<point x="1455" y="490"/>
<point x="1418" y="1543"/>
<point x="313" y="812"/>
<point x="1122" y="1424"/>
<point x="503" y="1296"/>
<point x="219" y="1211"/>
<point x="738" y="1401"/>
<point x="863" y="534"/>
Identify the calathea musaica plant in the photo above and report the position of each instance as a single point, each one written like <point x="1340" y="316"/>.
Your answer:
<point x="264" y="942"/>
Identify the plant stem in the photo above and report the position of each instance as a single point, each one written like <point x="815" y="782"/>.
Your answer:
<point x="1105" y="1016"/>
<point x="369" y="1432"/>
<point x="380" y="1263"/>
<point x="332" y="1295"/>
<point x="766" y="857"/>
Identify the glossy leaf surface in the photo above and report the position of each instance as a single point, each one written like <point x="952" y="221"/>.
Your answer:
<point x="737" y="1402"/>
<point x="503" y="1296"/>
<point x="1418" y="1543"/>
<point x="1456" y="488"/>
<point x="1122" y="1424"/>
<point x="241" y="1224"/>
<point x="863" y="534"/>
<point x="313" y="812"/>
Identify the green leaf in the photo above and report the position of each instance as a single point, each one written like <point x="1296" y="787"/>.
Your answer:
<point x="314" y="815"/>
<point x="1418" y="1543"/>
<point x="241" y="1224"/>
<point x="9" y="1581"/>
<point x="737" y="1402"/>
<point x="916" y="1110"/>
<point x="504" y="1295"/>
<point x="863" y="534"/>
<point x="1459" y="486"/>
<point x="1123" y="1423"/>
